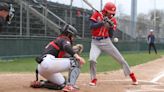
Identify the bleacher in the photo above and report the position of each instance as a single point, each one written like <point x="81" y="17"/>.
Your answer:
<point x="38" y="27"/>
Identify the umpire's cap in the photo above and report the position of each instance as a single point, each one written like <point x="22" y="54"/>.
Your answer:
<point x="151" y="30"/>
<point x="69" y="29"/>
<point x="4" y="6"/>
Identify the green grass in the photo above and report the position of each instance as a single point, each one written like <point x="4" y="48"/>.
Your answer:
<point x="18" y="65"/>
<point x="105" y="62"/>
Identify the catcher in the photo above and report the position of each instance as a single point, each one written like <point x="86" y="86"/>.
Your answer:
<point x="51" y="62"/>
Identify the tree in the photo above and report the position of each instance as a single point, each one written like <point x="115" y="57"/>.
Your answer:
<point x="143" y="24"/>
<point x="156" y="18"/>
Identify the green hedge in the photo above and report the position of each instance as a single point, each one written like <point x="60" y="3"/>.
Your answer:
<point x="28" y="46"/>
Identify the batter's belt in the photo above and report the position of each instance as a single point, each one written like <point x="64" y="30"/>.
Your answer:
<point x="99" y="38"/>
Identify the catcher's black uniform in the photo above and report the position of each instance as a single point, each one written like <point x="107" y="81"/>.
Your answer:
<point x="59" y="46"/>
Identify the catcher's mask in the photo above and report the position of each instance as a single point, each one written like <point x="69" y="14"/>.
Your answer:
<point x="69" y="30"/>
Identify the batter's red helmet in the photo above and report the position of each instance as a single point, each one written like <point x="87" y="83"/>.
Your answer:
<point x="110" y="8"/>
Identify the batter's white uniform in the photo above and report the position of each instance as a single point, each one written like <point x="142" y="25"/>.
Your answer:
<point x="102" y="26"/>
<point x="51" y="68"/>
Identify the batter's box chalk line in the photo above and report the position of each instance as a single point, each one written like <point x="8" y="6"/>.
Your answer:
<point x="141" y="82"/>
<point x="158" y="77"/>
<point x="151" y="90"/>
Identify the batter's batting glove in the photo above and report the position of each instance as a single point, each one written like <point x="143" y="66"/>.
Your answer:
<point x="107" y="20"/>
<point x="78" y="48"/>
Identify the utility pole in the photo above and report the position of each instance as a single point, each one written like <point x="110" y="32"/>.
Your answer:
<point x="28" y="21"/>
<point x="21" y="18"/>
<point x="133" y="17"/>
<point x="101" y="4"/>
<point x="155" y="15"/>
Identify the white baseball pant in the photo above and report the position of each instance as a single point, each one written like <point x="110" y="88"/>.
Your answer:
<point x="51" y="68"/>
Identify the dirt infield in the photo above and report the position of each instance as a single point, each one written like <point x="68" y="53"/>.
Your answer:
<point x="150" y="75"/>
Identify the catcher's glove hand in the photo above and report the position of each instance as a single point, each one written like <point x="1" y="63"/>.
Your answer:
<point x="78" y="48"/>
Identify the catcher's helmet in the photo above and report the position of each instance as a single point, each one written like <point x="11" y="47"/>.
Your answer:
<point x="69" y="29"/>
<point x="4" y="6"/>
<point x="110" y="8"/>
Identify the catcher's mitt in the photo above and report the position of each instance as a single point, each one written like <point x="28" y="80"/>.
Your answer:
<point x="78" y="48"/>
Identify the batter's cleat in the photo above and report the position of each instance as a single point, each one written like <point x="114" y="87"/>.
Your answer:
<point x="93" y="82"/>
<point x="134" y="80"/>
<point x="135" y="83"/>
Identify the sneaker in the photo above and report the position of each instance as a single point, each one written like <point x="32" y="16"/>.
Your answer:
<point x="36" y="84"/>
<point x="68" y="88"/>
<point x="134" y="80"/>
<point x="93" y="82"/>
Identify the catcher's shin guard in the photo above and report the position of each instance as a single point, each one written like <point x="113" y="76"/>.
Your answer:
<point x="74" y="72"/>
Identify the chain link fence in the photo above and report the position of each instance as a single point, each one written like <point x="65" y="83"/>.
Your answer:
<point x="27" y="34"/>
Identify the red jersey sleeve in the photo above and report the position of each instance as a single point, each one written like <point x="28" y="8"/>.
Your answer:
<point x="94" y="16"/>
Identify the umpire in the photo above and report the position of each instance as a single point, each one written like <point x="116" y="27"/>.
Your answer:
<point x="151" y="40"/>
<point x="4" y="14"/>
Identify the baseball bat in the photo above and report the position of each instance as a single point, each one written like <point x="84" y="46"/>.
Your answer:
<point x="90" y="5"/>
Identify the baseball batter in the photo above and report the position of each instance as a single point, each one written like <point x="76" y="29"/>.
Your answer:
<point x="102" y="26"/>
<point x="51" y="63"/>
